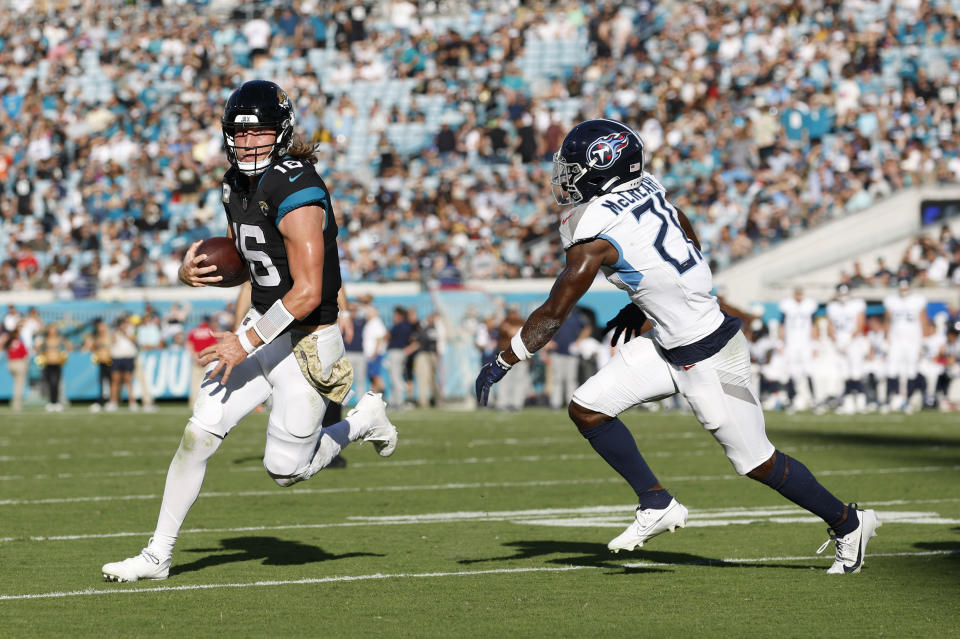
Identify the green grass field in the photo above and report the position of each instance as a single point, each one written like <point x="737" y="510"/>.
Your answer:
<point x="482" y="524"/>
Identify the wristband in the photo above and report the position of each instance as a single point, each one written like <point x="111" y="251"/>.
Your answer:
<point x="245" y="341"/>
<point x="502" y="363"/>
<point x="519" y="349"/>
<point x="273" y="322"/>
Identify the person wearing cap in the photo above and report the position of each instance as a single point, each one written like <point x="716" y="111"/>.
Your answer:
<point x="906" y="323"/>
<point x="846" y="325"/>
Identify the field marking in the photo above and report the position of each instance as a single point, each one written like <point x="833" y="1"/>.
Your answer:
<point x="589" y="516"/>
<point x="454" y="486"/>
<point x="373" y="464"/>
<point x="120" y="590"/>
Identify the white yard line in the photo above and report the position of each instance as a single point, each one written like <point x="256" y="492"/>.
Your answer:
<point x="586" y="516"/>
<point x="458" y="486"/>
<point x="121" y="590"/>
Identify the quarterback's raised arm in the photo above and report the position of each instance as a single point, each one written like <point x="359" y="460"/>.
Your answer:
<point x="583" y="264"/>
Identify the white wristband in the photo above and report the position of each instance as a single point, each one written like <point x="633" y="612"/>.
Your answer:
<point x="273" y="322"/>
<point x="245" y="341"/>
<point x="518" y="347"/>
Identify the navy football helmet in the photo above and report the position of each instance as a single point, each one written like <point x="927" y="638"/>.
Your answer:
<point x="597" y="157"/>
<point x="258" y="105"/>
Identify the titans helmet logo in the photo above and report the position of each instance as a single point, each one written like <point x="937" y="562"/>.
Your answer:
<point x="605" y="151"/>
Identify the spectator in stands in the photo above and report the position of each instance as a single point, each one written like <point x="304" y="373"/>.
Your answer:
<point x="861" y="121"/>
<point x="175" y="320"/>
<point x="882" y="276"/>
<point x="11" y="319"/>
<point x="18" y="362"/>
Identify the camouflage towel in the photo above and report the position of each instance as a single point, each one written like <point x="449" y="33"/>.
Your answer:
<point x="334" y="386"/>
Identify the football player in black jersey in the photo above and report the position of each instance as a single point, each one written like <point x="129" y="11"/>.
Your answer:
<point x="288" y="347"/>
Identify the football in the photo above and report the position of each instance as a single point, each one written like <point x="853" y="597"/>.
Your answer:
<point x="222" y="253"/>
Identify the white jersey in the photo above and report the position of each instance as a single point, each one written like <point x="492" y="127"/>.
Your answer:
<point x="843" y="315"/>
<point x="659" y="267"/>
<point x="797" y="320"/>
<point x="905" y="316"/>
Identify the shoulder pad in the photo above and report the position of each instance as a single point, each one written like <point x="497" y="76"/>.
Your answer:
<point x="290" y="184"/>
<point x="586" y="222"/>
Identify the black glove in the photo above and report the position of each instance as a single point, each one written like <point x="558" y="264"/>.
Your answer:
<point x="628" y="322"/>
<point x="489" y="375"/>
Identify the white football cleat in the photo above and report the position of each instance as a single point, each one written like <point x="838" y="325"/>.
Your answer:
<point x="852" y="548"/>
<point x="146" y="565"/>
<point x="650" y="523"/>
<point x="380" y="432"/>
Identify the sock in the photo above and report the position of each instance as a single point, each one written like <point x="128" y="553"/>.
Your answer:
<point x="893" y="387"/>
<point x="613" y="441"/>
<point x="794" y="481"/>
<point x="333" y="439"/>
<point x="184" y="479"/>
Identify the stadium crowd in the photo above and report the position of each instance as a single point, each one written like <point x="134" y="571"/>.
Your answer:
<point x="436" y="122"/>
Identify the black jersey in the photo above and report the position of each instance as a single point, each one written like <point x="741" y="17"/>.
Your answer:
<point x="255" y="206"/>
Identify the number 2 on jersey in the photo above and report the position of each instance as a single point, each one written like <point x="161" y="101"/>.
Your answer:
<point x="261" y="266"/>
<point x="668" y="219"/>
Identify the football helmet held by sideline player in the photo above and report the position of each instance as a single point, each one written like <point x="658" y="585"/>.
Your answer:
<point x="258" y="104"/>
<point x="597" y="157"/>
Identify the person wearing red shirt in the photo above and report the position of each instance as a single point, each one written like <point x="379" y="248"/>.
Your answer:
<point x="17" y="363"/>
<point x="199" y="338"/>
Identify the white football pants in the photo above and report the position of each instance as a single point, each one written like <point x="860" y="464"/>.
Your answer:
<point x="718" y="389"/>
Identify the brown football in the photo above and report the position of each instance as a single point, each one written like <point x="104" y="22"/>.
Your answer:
<point x="222" y="253"/>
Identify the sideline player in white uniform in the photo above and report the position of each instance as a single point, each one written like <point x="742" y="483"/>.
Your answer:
<point x="906" y="324"/>
<point x="289" y="347"/>
<point x="799" y="334"/>
<point x="624" y="226"/>
<point x="847" y="318"/>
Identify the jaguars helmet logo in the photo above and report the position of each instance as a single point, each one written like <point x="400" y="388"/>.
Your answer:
<point x="264" y="207"/>
<point x="606" y="150"/>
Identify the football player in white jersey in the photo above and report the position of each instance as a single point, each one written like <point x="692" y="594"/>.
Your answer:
<point x="799" y="334"/>
<point x="847" y="317"/>
<point x="624" y="226"/>
<point x="906" y="324"/>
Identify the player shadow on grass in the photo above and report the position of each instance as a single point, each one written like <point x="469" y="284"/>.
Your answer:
<point x="599" y="556"/>
<point x="273" y="552"/>
<point x="950" y="548"/>
<point x="870" y="439"/>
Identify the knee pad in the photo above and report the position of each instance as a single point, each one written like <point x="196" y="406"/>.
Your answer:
<point x="198" y="442"/>
<point x="208" y="414"/>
